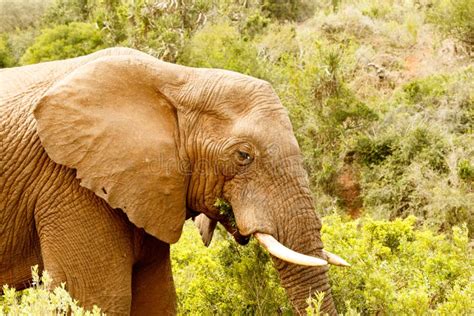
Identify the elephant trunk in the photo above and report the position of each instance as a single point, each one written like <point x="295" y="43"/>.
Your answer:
<point x="303" y="282"/>
<point x="300" y="231"/>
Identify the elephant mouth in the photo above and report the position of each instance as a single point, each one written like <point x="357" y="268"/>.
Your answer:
<point x="240" y="239"/>
<point x="273" y="246"/>
<point x="234" y="231"/>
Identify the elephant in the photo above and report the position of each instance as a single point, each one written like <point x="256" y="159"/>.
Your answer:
<point x="105" y="156"/>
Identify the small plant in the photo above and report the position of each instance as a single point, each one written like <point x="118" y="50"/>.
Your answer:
<point x="426" y="91"/>
<point x="314" y="304"/>
<point x="40" y="299"/>
<point x="466" y="170"/>
<point x="255" y="23"/>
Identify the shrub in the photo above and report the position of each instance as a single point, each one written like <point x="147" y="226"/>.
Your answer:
<point x="21" y="15"/>
<point x="6" y="58"/>
<point x="455" y="18"/>
<point x="220" y="45"/>
<point x="426" y="91"/>
<point x="398" y="269"/>
<point x="41" y="299"/>
<point x="254" y="23"/>
<point x="67" y="11"/>
<point x="466" y="170"/>
<point x="350" y="21"/>
<point x="374" y="151"/>
<point x="287" y="10"/>
<point x="64" y="41"/>
<point x="278" y="45"/>
<point x="225" y="278"/>
<point x="416" y="160"/>
<point x="331" y="114"/>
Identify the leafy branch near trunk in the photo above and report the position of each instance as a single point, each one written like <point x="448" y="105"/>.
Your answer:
<point x="225" y="209"/>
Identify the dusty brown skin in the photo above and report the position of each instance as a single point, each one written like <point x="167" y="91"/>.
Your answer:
<point x="105" y="156"/>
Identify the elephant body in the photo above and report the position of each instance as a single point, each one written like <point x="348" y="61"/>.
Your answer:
<point x="46" y="212"/>
<point x="87" y="196"/>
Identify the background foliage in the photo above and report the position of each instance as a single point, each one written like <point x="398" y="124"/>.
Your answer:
<point x="380" y="94"/>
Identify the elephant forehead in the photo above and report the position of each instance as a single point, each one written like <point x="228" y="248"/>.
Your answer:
<point x="268" y="130"/>
<point x="223" y="86"/>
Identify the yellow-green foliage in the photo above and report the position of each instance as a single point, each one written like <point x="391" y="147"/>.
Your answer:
<point x="6" y="58"/>
<point x="314" y="304"/>
<point x="418" y="160"/>
<point x="456" y="18"/>
<point x="64" y="41"/>
<point x="220" y="45"/>
<point x="17" y="15"/>
<point x="398" y="269"/>
<point x="41" y="299"/>
<point x="225" y="278"/>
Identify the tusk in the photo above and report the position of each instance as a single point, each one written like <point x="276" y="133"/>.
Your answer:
<point x="335" y="259"/>
<point x="286" y="254"/>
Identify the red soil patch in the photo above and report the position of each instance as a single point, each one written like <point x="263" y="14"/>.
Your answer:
<point x="348" y="190"/>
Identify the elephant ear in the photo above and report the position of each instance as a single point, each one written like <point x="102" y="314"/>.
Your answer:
<point x="114" y="120"/>
<point x="206" y="228"/>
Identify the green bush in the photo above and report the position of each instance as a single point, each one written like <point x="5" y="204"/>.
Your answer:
<point x="18" y="42"/>
<point x="398" y="269"/>
<point x="466" y="170"/>
<point x="225" y="278"/>
<point x="64" y="41"/>
<point x="324" y="109"/>
<point x="420" y="144"/>
<point x="455" y="18"/>
<point x="41" y="299"/>
<point x="6" y="58"/>
<point x="164" y="31"/>
<point x="67" y="11"/>
<point x="426" y="91"/>
<point x="287" y="10"/>
<point x="220" y="45"/>
<point x="374" y="151"/>
<point x="254" y="23"/>
<point x="416" y="160"/>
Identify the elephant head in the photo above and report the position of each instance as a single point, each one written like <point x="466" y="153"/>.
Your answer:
<point x="162" y="142"/>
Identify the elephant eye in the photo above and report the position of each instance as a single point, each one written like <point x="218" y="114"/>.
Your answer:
<point x="243" y="158"/>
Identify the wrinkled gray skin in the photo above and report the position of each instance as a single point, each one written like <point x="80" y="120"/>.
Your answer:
<point x="105" y="156"/>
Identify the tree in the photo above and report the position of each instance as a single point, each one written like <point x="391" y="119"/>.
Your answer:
<point x="6" y="59"/>
<point x="64" y="41"/>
